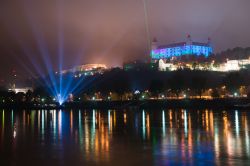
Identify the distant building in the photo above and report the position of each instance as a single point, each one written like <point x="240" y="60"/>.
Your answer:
<point x="21" y="90"/>
<point x="166" y="66"/>
<point x="230" y="65"/>
<point x="87" y="69"/>
<point x="233" y="65"/>
<point x="178" y="49"/>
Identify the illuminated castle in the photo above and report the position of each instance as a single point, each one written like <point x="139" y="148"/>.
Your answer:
<point x="178" y="49"/>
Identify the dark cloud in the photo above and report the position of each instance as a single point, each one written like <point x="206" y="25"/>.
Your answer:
<point x="112" y="31"/>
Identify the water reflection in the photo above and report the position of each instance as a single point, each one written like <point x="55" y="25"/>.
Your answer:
<point x="143" y="125"/>
<point x="163" y="123"/>
<point x="185" y="123"/>
<point x="42" y="133"/>
<point x="165" y="137"/>
<point x="237" y="123"/>
<point x="2" y="128"/>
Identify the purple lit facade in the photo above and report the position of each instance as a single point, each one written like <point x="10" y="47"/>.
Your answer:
<point x="179" y="49"/>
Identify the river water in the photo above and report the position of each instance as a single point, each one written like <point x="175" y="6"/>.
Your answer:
<point x="124" y="137"/>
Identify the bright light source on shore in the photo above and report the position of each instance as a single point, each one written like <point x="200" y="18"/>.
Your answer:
<point x="235" y="94"/>
<point x="184" y="95"/>
<point x="59" y="99"/>
<point x="137" y="92"/>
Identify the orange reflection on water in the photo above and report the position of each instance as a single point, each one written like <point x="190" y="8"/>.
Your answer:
<point x="207" y="121"/>
<point x="101" y="150"/>
<point x="71" y="122"/>
<point x="190" y="137"/>
<point x="96" y="140"/>
<point x="125" y="118"/>
<point x="189" y="122"/>
<point x="148" y="126"/>
<point x="170" y="119"/>
<point x="87" y="137"/>
<point x="227" y="134"/>
<point x="110" y="121"/>
<point x="225" y="124"/>
<point x="246" y="131"/>
<point x="211" y="122"/>
<point x="24" y="119"/>
<point x="114" y="118"/>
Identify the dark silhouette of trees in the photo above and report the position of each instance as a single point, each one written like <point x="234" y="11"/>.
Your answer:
<point x="198" y="84"/>
<point x="41" y="92"/>
<point x="233" y="81"/>
<point x="215" y="93"/>
<point x="156" y="87"/>
<point x="114" y="81"/>
<point x="10" y="96"/>
<point x="29" y="96"/>
<point x="235" y="53"/>
<point x="177" y="83"/>
<point x="20" y="97"/>
<point x="120" y="83"/>
<point x="3" y="94"/>
<point x="120" y="86"/>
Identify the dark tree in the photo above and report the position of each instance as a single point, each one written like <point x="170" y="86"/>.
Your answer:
<point x="233" y="81"/>
<point x="121" y="86"/>
<point x="29" y="96"/>
<point x="177" y="83"/>
<point x="41" y="92"/>
<point x="20" y="97"/>
<point x="198" y="84"/>
<point x="156" y="87"/>
<point x="215" y="93"/>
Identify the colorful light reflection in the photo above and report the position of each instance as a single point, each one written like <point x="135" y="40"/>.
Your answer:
<point x="193" y="136"/>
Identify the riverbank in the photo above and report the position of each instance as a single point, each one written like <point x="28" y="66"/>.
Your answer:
<point x="233" y="103"/>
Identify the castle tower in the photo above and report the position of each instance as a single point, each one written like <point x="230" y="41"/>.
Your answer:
<point x="189" y="40"/>
<point x="209" y="41"/>
<point x="154" y="44"/>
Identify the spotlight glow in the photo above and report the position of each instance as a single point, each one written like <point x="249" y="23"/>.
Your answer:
<point x="60" y="99"/>
<point x="49" y="75"/>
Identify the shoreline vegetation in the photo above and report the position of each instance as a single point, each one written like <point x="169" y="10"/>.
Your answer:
<point x="222" y="104"/>
<point x="143" y="89"/>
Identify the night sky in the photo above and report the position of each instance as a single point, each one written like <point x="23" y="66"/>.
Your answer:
<point x="111" y="31"/>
